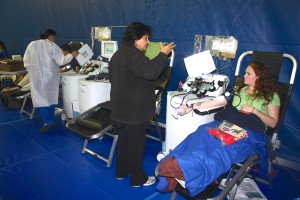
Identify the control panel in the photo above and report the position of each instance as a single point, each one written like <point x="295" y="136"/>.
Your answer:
<point x="212" y="85"/>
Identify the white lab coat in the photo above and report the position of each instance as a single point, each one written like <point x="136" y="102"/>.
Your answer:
<point x="42" y="59"/>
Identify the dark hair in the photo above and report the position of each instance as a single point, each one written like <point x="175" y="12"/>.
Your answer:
<point x="47" y="33"/>
<point x="135" y="31"/>
<point x="2" y="44"/>
<point x="264" y="85"/>
<point x="66" y="47"/>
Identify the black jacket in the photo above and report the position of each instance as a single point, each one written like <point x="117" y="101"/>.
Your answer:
<point x="132" y="77"/>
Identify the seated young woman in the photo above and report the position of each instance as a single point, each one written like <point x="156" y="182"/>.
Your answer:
<point x="256" y="94"/>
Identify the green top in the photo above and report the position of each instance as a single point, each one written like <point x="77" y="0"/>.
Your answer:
<point x="257" y="103"/>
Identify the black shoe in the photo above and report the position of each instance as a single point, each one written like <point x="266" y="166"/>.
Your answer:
<point x="120" y="178"/>
<point x="46" y="127"/>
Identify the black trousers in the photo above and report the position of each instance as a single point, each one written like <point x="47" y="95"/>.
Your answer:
<point x="130" y="152"/>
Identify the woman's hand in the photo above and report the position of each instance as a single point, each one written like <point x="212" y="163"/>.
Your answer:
<point x="182" y="110"/>
<point x="167" y="48"/>
<point x="246" y="109"/>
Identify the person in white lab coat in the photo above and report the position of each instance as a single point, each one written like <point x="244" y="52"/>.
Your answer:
<point x="42" y="59"/>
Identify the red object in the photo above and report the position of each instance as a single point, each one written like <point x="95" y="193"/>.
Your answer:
<point x="226" y="138"/>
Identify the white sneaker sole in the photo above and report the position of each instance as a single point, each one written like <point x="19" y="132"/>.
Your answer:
<point x="151" y="180"/>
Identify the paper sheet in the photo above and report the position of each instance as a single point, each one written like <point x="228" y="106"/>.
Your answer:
<point x="199" y="64"/>
<point x="85" y="53"/>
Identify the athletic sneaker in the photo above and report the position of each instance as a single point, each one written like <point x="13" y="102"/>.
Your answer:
<point x="151" y="180"/>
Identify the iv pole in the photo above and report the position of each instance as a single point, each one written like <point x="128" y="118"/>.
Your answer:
<point x="95" y="27"/>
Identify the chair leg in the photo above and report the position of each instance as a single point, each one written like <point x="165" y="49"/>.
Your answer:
<point x="159" y="138"/>
<point x="112" y="149"/>
<point x="111" y="153"/>
<point x="158" y="131"/>
<point x="173" y="196"/>
<point x="23" y="105"/>
<point x="232" y="193"/>
<point x="86" y="141"/>
<point x="238" y="177"/>
<point x="30" y="114"/>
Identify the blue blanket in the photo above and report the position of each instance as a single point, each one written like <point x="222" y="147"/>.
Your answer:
<point x="203" y="158"/>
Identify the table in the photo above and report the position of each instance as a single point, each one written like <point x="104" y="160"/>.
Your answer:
<point x="92" y="93"/>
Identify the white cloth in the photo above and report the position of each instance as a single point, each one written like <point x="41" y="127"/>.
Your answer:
<point x="42" y="59"/>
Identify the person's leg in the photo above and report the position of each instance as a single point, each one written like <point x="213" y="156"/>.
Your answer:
<point x="47" y="114"/>
<point x="48" y="118"/>
<point x="137" y="144"/>
<point x="122" y="162"/>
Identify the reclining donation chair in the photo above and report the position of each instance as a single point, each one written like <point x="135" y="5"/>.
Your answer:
<point x="93" y="124"/>
<point x="160" y="84"/>
<point x="235" y="176"/>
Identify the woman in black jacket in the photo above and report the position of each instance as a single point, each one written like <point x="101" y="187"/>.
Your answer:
<point x="132" y="77"/>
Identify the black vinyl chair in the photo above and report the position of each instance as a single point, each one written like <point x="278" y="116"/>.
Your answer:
<point x="94" y="124"/>
<point x="75" y="46"/>
<point x="274" y="62"/>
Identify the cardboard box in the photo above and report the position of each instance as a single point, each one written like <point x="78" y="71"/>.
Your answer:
<point x="7" y="65"/>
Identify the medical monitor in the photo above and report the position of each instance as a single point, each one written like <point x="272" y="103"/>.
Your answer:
<point x="108" y="48"/>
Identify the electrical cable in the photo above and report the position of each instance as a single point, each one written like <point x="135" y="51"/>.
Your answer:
<point x="184" y="94"/>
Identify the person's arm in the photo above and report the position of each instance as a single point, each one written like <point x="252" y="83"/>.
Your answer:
<point x="166" y="49"/>
<point x="218" y="101"/>
<point x="273" y="115"/>
<point x="61" y="59"/>
<point x="148" y="69"/>
<point x="211" y="103"/>
<point x="143" y="67"/>
<point x="270" y="120"/>
<point x="58" y="55"/>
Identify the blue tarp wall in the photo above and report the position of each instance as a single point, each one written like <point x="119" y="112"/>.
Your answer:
<point x="263" y="25"/>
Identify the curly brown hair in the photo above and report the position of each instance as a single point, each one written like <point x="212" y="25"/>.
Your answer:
<point x="264" y="85"/>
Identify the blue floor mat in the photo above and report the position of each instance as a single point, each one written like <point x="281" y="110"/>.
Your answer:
<point x="51" y="166"/>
